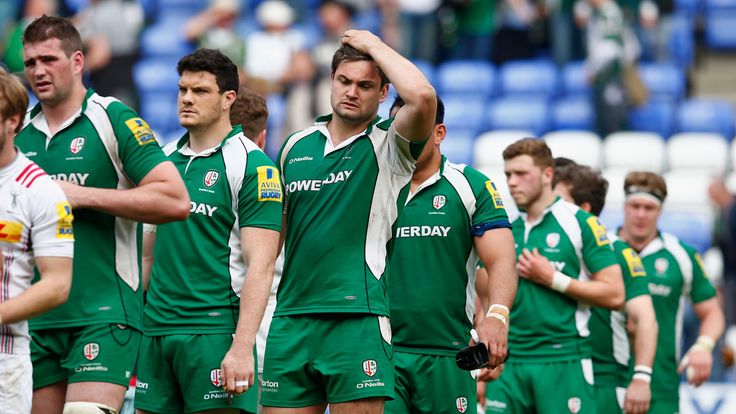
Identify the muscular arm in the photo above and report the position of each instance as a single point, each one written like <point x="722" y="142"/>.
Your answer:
<point x="51" y="291"/>
<point x="159" y="198"/>
<point x="260" y="249"/>
<point x="415" y="120"/>
<point x="496" y="250"/>
<point x="712" y="321"/>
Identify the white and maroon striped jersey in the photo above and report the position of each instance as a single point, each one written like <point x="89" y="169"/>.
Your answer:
<point x="35" y="221"/>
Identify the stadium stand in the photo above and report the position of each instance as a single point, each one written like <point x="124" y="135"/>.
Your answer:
<point x="663" y="80"/>
<point x="573" y="112"/>
<point x="526" y="113"/>
<point x="574" y="81"/>
<point x="489" y="146"/>
<point x="700" y="152"/>
<point x="654" y="116"/>
<point x="466" y="77"/>
<point x="706" y="115"/>
<point x="537" y="78"/>
<point x="582" y="147"/>
<point x="619" y="153"/>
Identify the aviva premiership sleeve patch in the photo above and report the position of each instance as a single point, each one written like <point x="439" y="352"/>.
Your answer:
<point x="633" y="261"/>
<point x="64" y="227"/>
<point x="495" y="195"/>
<point x="269" y="184"/>
<point x="599" y="232"/>
<point x="141" y="131"/>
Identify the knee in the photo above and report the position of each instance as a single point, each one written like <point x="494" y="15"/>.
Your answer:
<point x="80" y="407"/>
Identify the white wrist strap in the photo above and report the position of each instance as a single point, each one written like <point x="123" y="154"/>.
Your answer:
<point x="560" y="282"/>
<point x="500" y="312"/>
<point x="642" y="377"/>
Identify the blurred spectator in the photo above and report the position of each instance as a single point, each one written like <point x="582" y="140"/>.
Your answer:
<point x="213" y="28"/>
<point x="110" y="31"/>
<point x="606" y="62"/>
<point x="276" y="61"/>
<point x="475" y="29"/>
<point x="724" y="238"/>
<point x="419" y="29"/>
<point x="563" y="34"/>
<point x="512" y="41"/>
<point x="335" y="17"/>
<point x="654" y="28"/>
<point x="13" y="49"/>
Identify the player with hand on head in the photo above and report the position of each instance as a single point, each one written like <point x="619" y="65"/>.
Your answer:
<point x="456" y="212"/>
<point x="616" y="389"/>
<point x="35" y="231"/>
<point x="676" y="273"/>
<point x="566" y="265"/>
<point x="330" y="338"/>
<point x="114" y="175"/>
<point x="212" y="273"/>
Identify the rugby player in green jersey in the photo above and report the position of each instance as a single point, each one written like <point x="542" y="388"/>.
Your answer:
<point x="566" y="265"/>
<point x="114" y="174"/>
<point x="676" y="274"/>
<point x="615" y="388"/>
<point x="456" y="211"/>
<point x="212" y="273"/>
<point x="330" y="338"/>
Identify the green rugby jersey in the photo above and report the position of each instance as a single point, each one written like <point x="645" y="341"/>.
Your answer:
<point x="431" y="273"/>
<point x="340" y="205"/>
<point x="675" y="272"/>
<point x="104" y="145"/>
<point x="608" y="336"/>
<point x="547" y="325"/>
<point x="198" y="269"/>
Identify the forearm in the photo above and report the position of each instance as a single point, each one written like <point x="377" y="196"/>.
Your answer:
<point x="496" y="250"/>
<point x="713" y="323"/>
<point x="41" y="297"/>
<point x="409" y="82"/>
<point x="595" y="293"/>
<point x="155" y="202"/>
<point x="645" y="340"/>
<point x="253" y="300"/>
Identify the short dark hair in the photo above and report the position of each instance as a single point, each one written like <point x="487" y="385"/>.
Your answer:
<point x="13" y="98"/>
<point x="250" y="111"/>
<point x="586" y="185"/>
<point x="351" y="54"/>
<point x="54" y="27"/>
<point x="214" y="62"/>
<point x="439" y="116"/>
<point x="533" y="147"/>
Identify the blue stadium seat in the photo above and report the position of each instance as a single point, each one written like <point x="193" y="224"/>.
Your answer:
<point x="156" y="75"/>
<point x="663" y="80"/>
<point x="691" y="227"/>
<point x="573" y="112"/>
<point x="160" y="111"/>
<point x="276" y="118"/>
<point x="468" y="77"/>
<point x="682" y="39"/>
<point x="656" y="116"/>
<point x="689" y="7"/>
<point x="181" y="7"/>
<point x="719" y="5"/>
<point x="464" y="113"/>
<point x="533" y="77"/>
<point x="719" y="30"/>
<point x="76" y="5"/>
<point x="522" y="113"/>
<point x="165" y="39"/>
<point x="574" y="79"/>
<point x="458" y="146"/>
<point x="700" y="115"/>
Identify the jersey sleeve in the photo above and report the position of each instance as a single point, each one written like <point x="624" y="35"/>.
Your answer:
<point x="401" y="152"/>
<point x="261" y="195"/>
<point x="52" y="231"/>
<point x="597" y="251"/>
<point x="489" y="210"/>
<point x="632" y="269"/>
<point x="139" y="151"/>
<point x="701" y="289"/>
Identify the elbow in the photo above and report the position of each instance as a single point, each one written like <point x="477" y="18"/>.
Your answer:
<point x="616" y="299"/>
<point x="181" y="210"/>
<point x="60" y="293"/>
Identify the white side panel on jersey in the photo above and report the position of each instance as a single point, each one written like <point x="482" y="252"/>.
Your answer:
<point x="235" y="156"/>
<point x="621" y="350"/>
<point x="454" y="175"/>
<point x="383" y="210"/>
<point x="564" y="213"/>
<point x="126" y="238"/>
<point x="672" y="244"/>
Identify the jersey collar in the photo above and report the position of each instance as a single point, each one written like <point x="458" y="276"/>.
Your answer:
<point x="321" y="125"/>
<point x="184" y="149"/>
<point x="523" y="215"/>
<point x="432" y="180"/>
<point x="38" y="120"/>
<point x="653" y="246"/>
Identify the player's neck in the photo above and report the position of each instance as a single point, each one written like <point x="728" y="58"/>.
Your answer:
<point x="7" y="153"/>
<point x="637" y="243"/>
<point x="57" y="114"/>
<point x="535" y="209"/>
<point x="201" y="139"/>
<point x="425" y="169"/>
<point x="340" y="130"/>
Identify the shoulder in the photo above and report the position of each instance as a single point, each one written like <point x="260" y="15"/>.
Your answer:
<point x="384" y="124"/>
<point x="672" y="242"/>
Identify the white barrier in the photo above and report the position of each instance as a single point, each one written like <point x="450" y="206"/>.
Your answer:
<point x="711" y="398"/>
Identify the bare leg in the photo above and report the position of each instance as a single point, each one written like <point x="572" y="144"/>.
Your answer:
<point x="364" y="406"/>
<point x="105" y="393"/>
<point x="49" y="399"/>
